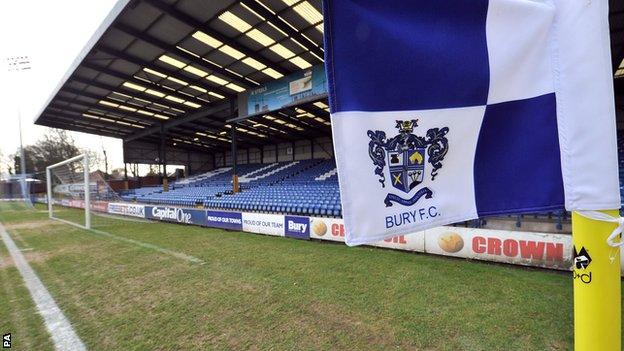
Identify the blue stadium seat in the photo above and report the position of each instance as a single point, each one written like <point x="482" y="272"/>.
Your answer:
<point x="306" y="187"/>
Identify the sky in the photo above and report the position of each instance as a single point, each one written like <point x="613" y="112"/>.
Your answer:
<point x="51" y="33"/>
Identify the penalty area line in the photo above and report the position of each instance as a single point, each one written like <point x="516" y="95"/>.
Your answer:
<point x="175" y="254"/>
<point x="122" y="218"/>
<point x="149" y="246"/>
<point x="59" y="327"/>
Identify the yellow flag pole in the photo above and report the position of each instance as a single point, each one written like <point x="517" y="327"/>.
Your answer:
<point x="596" y="273"/>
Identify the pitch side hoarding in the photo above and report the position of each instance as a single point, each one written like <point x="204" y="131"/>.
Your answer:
<point x="125" y="209"/>
<point x="524" y="248"/>
<point x="407" y="242"/>
<point x="176" y="214"/>
<point x="546" y="250"/>
<point x="327" y="229"/>
<point x="224" y="220"/>
<point x="333" y="229"/>
<point x="297" y="227"/>
<point x="263" y="223"/>
<point x="99" y="206"/>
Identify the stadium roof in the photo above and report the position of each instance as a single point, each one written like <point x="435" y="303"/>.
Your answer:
<point x="177" y="66"/>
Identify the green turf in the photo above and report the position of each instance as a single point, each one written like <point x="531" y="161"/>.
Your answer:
<point x="18" y="314"/>
<point x="261" y="292"/>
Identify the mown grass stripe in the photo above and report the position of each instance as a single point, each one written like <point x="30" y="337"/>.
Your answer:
<point x="149" y="246"/>
<point x="135" y="242"/>
<point x="60" y="329"/>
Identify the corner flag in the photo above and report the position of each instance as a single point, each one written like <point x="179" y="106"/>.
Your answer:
<point x="444" y="111"/>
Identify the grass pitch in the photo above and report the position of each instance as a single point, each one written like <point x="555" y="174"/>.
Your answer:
<point x="261" y="292"/>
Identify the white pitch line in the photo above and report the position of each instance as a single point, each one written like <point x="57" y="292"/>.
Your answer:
<point x="150" y="246"/>
<point x="121" y="218"/>
<point x="60" y="329"/>
<point x="136" y="242"/>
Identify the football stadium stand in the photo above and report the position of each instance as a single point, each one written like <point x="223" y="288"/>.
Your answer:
<point x="229" y="90"/>
<point x="306" y="187"/>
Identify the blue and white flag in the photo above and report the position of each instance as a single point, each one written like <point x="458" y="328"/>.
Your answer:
<point x="444" y="111"/>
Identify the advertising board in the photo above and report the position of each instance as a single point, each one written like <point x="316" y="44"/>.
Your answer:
<point x="297" y="227"/>
<point x="126" y="209"/>
<point x="76" y="203"/>
<point x="327" y="228"/>
<point x="176" y="214"/>
<point x="333" y="229"/>
<point x="524" y="248"/>
<point x="305" y="84"/>
<point x="224" y="220"/>
<point x="263" y="223"/>
<point x="546" y="250"/>
<point x="407" y="242"/>
<point x="99" y="206"/>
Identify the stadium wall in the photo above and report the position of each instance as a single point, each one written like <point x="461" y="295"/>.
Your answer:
<point x="545" y="250"/>
<point x="282" y="152"/>
<point x="148" y="153"/>
<point x="201" y="162"/>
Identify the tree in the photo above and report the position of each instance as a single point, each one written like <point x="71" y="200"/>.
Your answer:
<point x="153" y="170"/>
<point x="117" y="173"/>
<point x="55" y="146"/>
<point x="94" y="159"/>
<point x="105" y="160"/>
<point x="134" y="170"/>
<point x="17" y="161"/>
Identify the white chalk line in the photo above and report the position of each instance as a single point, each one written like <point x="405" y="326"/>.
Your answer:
<point x="149" y="246"/>
<point x="176" y="254"/>
<point x="121" y="218"/>
<point x="60" y="329"/>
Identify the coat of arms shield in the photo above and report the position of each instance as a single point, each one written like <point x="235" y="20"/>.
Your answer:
<point x="407" y="168"/>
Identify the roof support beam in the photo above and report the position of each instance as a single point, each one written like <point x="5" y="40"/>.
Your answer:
<point x="79" y="128"/>
<point x="155" y="139"/>
<point x="172" y="49"/>
<point x="104" y="107"/>
<point x="77" y="113"/>
<point x="131" y="79"/>
<point x="312" y="122"/>
<point x="93" y="122"/>
<point x="151" y="99"/>
<point x="248" y="139"/>
<point x="233" y="133"/>
<point x="192" y="135"/>
<point x="91" y="126"/>
<point x="181" y="16"/>
<point x="285" y="27"/>
<point x="192" y="147"/>
<point x="197" y="126"/>
<point x="243" y="136"/>
<point x="274" y="135"/>
<point x="204" y="83"/>
<point x="201" y="113"/>
<point x="122" y="89"/>
<point x="119" y="113"/>
<point x="278" y="126"/>
<point x="196" y="148"/>
<point x="316" y="126"/>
